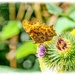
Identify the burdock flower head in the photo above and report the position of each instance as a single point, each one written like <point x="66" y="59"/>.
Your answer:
<point x="60" y="53"/>
<point x="62" y="44"/>
<point x="41" y="50"/>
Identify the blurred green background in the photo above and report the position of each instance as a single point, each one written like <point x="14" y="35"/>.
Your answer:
<point x="17" y="49"/>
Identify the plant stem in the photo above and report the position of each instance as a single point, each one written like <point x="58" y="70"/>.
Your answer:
<point x="21" y="12"/>
<point x="12" y="11"/>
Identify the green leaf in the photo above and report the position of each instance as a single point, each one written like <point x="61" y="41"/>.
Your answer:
<point x="26" y="49"/>
<point x="53" y="9"/>
<point x="70" y="9"/>
<point x="5" y="69"/>
<point x="2" y="20"/>
<point x="2" y="46"/>
<point x="63" y="24"/>
<point x="11" y="29"/>
<point x="36" y="66"/>
<point x="72" y="15"/>
<point x="24" y="36"/>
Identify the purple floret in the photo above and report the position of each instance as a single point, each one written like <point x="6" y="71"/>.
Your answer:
<point x="41" y="50"/>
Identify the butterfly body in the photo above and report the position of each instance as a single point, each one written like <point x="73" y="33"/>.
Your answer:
<point x="38" y="32"/>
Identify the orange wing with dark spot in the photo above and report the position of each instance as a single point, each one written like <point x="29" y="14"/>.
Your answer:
<point x="38" y="32"/>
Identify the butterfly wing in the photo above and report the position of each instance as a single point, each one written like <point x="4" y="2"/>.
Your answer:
<point x="38" y="32"/>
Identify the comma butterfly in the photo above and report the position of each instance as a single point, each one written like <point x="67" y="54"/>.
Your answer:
<point x="38" y="32"/>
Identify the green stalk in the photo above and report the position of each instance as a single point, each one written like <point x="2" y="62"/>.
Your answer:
<point x="21" y="12"/>
<point x="12" y="11"/>
<point x="28" y="13"/>
<point x="37" y="10"/>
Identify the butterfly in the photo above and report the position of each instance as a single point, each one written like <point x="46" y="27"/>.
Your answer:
<point x="38" y="32"/>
